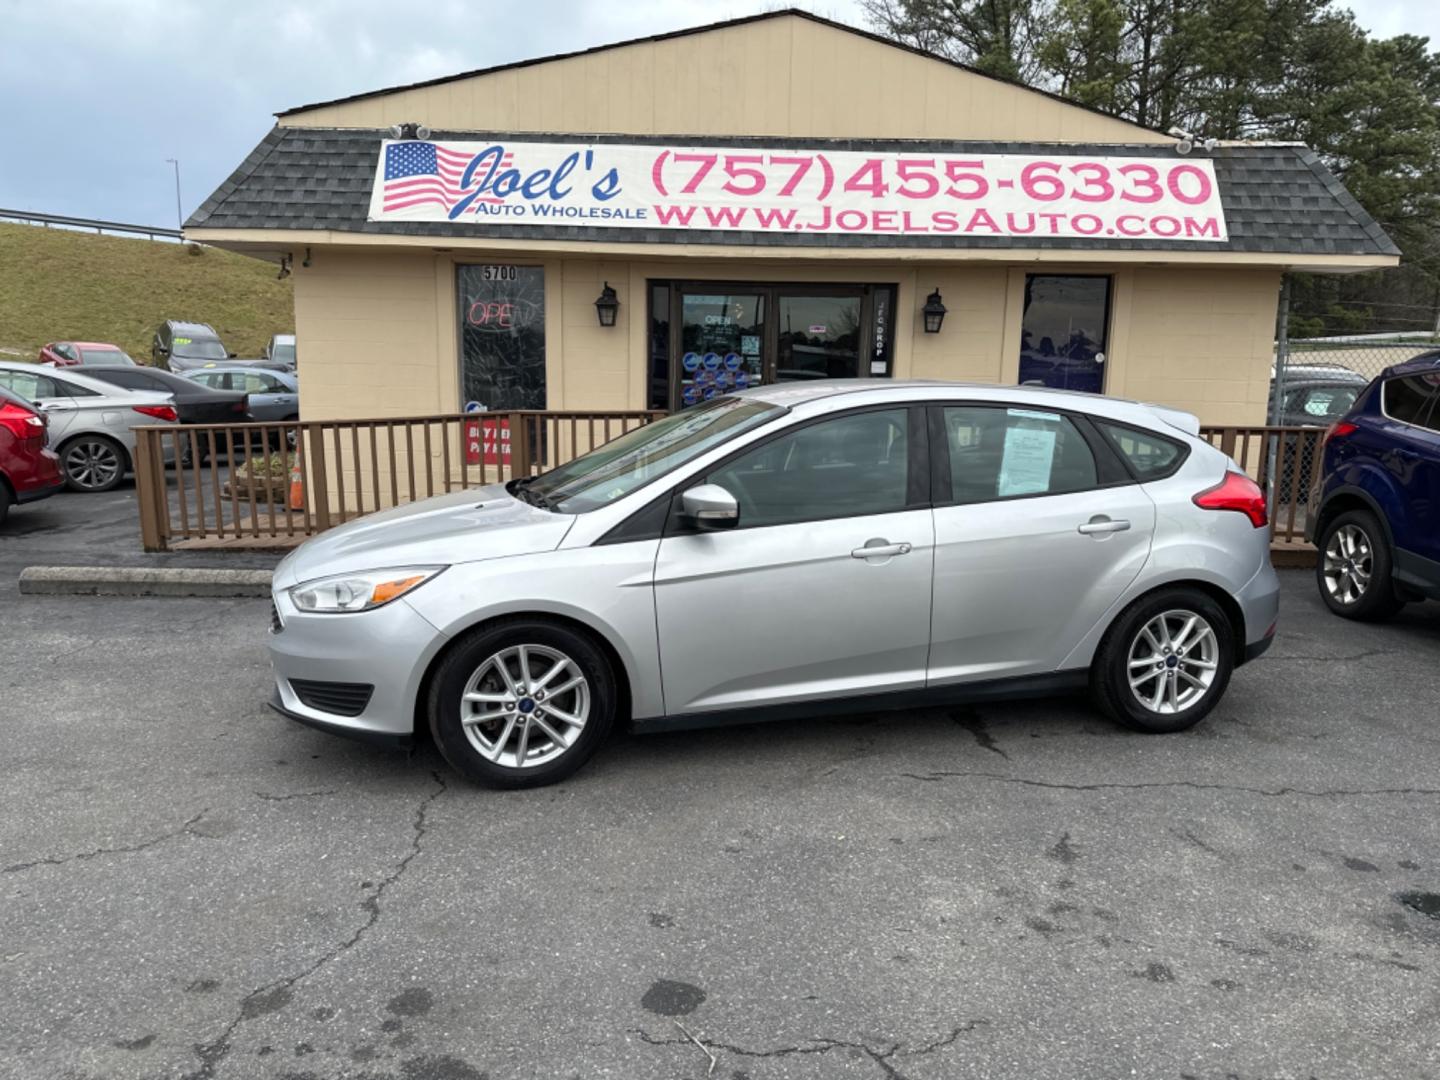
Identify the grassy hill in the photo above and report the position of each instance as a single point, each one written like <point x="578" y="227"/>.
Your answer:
<point x="57" y="285"/>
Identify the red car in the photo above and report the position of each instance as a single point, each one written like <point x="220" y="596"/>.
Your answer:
<point x="28" y="471"/>
<point x="78" y="353"/>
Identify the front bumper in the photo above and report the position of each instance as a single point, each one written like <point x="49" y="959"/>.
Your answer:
<point x="388" y="648"/>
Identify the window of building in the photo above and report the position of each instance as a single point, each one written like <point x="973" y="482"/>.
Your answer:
<point x="1003" y="453"/>
<point x="849" y="466"/>
<point x="502" y="336"/>
<point x="1064" y="331"/>
<point x="719" y="337"/>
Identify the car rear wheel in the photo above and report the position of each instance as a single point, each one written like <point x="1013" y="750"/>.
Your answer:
<point x="1353" y="570"/>
<point x="521" y="703"/>
<point x="1165" y="662"/>
<point x="92" y="463"/>
<point x="4" y="501"/>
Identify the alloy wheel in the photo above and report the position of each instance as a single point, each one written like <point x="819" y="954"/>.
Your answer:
<point x="1348" y="564"/>
<point x="525" y="706"/>
<point x="1173" y="661"/>
<point x="92" y="464"/>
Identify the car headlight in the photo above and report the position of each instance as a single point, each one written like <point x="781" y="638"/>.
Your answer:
<point x="359" y="591"/>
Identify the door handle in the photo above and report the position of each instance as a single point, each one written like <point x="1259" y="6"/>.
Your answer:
<point x="1101" y="524"/>
<point x="880" y="549"/>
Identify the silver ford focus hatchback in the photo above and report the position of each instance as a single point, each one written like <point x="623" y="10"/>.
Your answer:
<point x="789" y="550"/>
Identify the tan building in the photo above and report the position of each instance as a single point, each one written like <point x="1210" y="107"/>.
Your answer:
<point x="777" y="197"/>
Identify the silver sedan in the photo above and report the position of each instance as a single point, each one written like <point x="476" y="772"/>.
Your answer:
<point x="790" y="550"/>
<point x="91" y="422"/>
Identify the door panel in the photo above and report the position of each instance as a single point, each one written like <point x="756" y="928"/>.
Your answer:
<point x="1038" y="531"/>
<point x="722" y="337"/>
<point x="788" y="613"/>
<point x="1017" y="584"/>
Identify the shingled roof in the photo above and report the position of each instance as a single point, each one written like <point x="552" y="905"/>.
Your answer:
<point x="1278" y="199"/>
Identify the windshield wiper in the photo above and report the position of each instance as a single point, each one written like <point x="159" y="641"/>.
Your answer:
<point x="521" y="490"/>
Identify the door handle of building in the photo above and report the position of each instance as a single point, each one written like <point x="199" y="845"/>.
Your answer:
<point x="1101" y="524"/>
<point x="880" y="549"/>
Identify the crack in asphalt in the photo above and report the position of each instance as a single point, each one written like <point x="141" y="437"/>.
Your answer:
<point x="128" y="849"/>
<point x="978" y="727"/>
<point x="275" y="995"/>
<point x="295" y="795"/>
<point x="880" y="1056"/>
<point x="1334" y="793"/>
<point x="1335" y="659"/>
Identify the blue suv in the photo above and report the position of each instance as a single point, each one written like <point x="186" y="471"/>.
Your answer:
<point x="1377" y="523"/>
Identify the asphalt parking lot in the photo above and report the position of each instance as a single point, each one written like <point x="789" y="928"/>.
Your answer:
<point x="195" y="887"/>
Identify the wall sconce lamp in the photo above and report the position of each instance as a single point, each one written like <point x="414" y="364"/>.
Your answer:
<point x="934" y="312"/>
<point x="285" y="261"/>
<point x="607" y="305"/>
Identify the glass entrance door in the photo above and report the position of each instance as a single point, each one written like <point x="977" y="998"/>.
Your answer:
<point x="722" y="339"/>
<point x="819" y="337"/>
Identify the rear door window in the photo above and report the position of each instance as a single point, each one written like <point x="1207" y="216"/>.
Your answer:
<point x="1150" y="456"/>
<point x="1411" y="400"/>
<point x="1002" y="453"/>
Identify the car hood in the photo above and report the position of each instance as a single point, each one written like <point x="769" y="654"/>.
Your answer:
<point x="463" y="526"/>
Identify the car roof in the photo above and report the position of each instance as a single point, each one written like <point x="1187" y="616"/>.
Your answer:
<point x="181" y="324"/>
<point x="71" y="374"/>
<point x="1425" y="364"/>
<point x="250" y="368"/>
<point x="90" y="345"/>
<point x="791" y="394"/>
<point x="283" y="337"/>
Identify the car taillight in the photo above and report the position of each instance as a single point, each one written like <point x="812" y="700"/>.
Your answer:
<point x="21" y="422"/>
<point x="242" y="406"/>
<point x="159" y="412"/>
<point x="1338" y="430"/>
<point x="1236" y="492"/>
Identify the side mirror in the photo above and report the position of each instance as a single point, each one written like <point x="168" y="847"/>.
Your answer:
<point x="232" y="355"/>
<point x="711" y="507"/>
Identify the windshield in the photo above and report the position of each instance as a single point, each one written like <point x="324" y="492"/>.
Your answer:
<point x="283" y="352"/>
<point x="103" y="357"/>
<point x="633" y="460"/>
<point x="202" y="349"/>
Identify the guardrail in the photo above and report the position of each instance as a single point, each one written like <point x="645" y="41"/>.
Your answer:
<point x="34" y="217"/>
<point x="263" y="485"/>
<point x="1290" y="456"/>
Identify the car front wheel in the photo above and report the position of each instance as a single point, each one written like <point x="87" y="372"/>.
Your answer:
<point x="1353" y="570"/>
<point x="93" y="463"/>
<point x="1165" y="662"/>
<point x="521" y="703"/>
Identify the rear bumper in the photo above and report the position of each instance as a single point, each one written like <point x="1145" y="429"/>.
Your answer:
<point x="1259" y="603"/>
<point x="42" y="492"/>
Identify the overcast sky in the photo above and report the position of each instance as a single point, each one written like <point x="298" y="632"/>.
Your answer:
<point x="98" y="94"/>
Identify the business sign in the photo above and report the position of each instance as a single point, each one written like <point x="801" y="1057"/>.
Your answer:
<point x="487" y="441"/>
<point x="916" y="193"/>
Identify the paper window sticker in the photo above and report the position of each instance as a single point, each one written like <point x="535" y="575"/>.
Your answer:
<point x="1025" y="467"/>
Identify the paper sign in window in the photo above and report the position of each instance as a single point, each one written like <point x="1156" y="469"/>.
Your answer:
<point x="1025" y="468"/>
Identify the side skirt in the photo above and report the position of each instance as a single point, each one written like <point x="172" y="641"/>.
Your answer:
<point x="1418" y="572"/>
<point x="1025" y="686"/>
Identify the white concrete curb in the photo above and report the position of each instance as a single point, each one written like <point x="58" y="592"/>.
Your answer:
<point x="141" y="581"/>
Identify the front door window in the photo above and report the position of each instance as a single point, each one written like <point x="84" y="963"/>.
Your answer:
<point x="722" y="343"/>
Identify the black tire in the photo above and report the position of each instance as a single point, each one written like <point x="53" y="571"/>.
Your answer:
<point x="1110" y="673"/>
<point x="1341" y="557"/>
<point x="470" y="658"/>
<point x="80" y="458"/>
<point x="4" y="501"/>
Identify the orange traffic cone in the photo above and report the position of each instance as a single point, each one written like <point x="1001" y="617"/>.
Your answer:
<point x="297" y="487"/>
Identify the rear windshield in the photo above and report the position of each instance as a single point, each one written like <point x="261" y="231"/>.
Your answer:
<point x="103" y="357"/>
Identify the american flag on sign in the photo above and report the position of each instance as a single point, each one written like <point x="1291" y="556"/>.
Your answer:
<point x="419" y="173"/>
